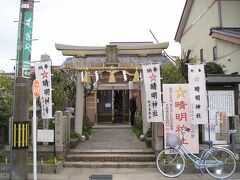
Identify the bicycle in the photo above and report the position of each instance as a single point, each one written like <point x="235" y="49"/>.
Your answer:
<point x="218" y="161"/>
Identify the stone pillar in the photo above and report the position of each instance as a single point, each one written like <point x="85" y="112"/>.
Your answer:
<point x="45" y="126"/>
<point x="68" y="113"/>
<point x="146" y="124"/>
<point x="64" y="129"/>
<point x="59" y="131"/>
<point x="45" y="123"/>
<point x="79" y="110"/>
<point x="157" y="137"/>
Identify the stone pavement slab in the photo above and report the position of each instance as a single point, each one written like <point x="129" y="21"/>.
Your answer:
<point x="112" y="139"/>
<point x="117" y="173"/>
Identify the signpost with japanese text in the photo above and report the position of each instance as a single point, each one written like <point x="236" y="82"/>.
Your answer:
<point x="19" y="157"/>
<point x="24" y="40"/>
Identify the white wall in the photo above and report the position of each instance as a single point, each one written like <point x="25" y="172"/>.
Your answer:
<point x="229" y="50"/>
<point x="196" y="33"/>
<point x="230" y="13"/>
<point x="197" y="37"/>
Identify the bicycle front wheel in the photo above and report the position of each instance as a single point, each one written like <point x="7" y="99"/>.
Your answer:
<point x="170" y="162"/>
<point x="220" y="163"/>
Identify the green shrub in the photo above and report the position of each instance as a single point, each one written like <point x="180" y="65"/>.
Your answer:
<point x="149" y="132"/>
<point x="51" y="160"/>
<point x="171" y="74"/>
<point x="75" y="135"/>
<point x="87" y="127"/>
<point x="3" y="158"/>
<point x="138" y="125"/>
<point x="213" y="68"/>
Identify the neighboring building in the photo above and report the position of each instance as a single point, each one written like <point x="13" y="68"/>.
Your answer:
<point x="108" y="102"/>
<point x="210" y="29"/>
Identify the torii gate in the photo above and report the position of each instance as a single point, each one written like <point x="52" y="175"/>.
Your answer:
<point x="114" y="59"/>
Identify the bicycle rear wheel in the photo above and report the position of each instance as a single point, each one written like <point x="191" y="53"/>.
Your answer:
<point x="170" y="162"/>
<point x="220" y="163"/>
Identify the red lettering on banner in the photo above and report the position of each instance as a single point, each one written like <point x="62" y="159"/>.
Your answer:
<point x="180" y="105"/>
<point x="181" y="116"/>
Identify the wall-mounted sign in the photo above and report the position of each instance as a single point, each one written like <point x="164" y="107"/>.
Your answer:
<point x="217" y="127"/>
<point x="108" y="105"/>
<point x="45" y="135"/>
<point x="222" y="101"/>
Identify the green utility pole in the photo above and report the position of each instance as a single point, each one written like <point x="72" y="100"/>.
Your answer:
<point x="20" y="125"/>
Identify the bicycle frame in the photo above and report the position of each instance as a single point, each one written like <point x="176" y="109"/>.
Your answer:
<point x="218" y="161"/>
<point x="199" y="161"/>
<point x="195" y="159"/>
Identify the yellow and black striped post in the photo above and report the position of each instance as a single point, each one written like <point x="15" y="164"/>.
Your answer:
<point x="20" y="135"/>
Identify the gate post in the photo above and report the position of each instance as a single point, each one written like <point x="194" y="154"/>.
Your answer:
<point x="79" y="110"/>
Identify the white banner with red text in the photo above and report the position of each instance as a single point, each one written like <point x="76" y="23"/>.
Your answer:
<point x="198" y="94"/>
<point x="176" y="108"/>
<point x="152" y="82"/>
<point x="43" y="75"/>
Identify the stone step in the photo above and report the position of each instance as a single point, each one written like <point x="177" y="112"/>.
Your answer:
<point x="112" y="126"/>
<point x="137" y="151"/>
<point x="111" y="157"/>
<point x="97" y="164"/>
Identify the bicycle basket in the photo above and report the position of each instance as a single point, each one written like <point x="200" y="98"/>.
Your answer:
<point x="172" y="140"/>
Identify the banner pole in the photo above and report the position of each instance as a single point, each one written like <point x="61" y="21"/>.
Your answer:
<point x="34" y="127"/>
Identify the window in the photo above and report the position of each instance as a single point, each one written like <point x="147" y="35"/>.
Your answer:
<point x="215" y="53"/>
<point x="201" y="55"/>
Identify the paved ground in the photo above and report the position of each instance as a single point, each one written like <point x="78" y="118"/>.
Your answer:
<point x="117" y="174"/>
<point x="112" y="139"/>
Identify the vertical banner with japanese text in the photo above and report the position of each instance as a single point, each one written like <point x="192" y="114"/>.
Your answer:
<point x="24" y="39"/>
<point x="198" y="94"/>
<point x="152" y="82"/>
<point x="176" y="107"/>
<point x="43" y="75"/>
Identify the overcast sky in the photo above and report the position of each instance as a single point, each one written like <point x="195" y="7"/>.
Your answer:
<point x="89" y="23"/>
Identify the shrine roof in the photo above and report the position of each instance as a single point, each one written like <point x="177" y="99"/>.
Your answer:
<point x="140" y="49"/>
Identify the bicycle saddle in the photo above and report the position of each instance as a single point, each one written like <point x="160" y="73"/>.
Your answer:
<point x="209" y="142"/>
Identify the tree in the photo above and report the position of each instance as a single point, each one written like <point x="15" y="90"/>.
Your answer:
<point x="64" y="90"/>
<point x="171" y="73"/>
<point x="213" y="68"/>
<point x="6" y="99"/>
<point x="210" y="67"/>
